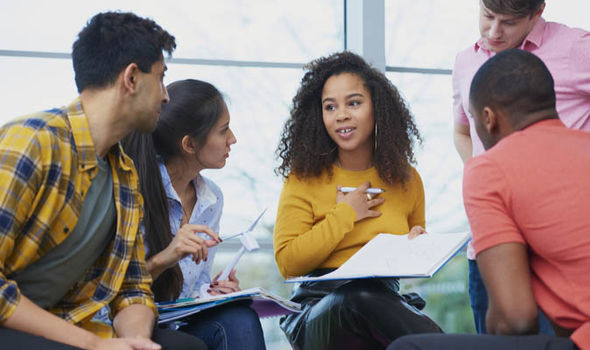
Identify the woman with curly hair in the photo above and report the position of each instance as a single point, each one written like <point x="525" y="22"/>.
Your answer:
<point x="348" y="127"/>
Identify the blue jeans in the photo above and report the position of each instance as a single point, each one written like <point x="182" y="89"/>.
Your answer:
<point x="478" y="296"/>
<point x="479" y="302"/>
<point x="227" y="327"/>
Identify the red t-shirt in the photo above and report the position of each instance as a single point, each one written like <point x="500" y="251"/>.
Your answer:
<point x="533" y="187"/>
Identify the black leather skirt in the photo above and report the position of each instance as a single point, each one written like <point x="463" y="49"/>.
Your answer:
<point x="353" y="314"/>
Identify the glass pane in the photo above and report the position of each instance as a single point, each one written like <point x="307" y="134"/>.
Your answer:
<point x="429" y="33"/>
<point x="293" y="31"/>
<point x="429" y="98"/>
<point x="439" y="164"/>
<point x="32" y="84"/>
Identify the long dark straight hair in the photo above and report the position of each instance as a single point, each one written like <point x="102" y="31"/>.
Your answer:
<point x="194" y="108"/>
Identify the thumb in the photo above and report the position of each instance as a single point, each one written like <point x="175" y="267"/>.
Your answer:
<point x="211" y="243"/>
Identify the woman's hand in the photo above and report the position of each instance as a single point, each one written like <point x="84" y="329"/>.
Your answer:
<point x="232" y="284"/>
<point x="361" y="202"/>
<point x="416" y="231"/>
<point x="185" y="242"/>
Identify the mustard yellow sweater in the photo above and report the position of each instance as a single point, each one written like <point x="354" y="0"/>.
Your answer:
<point x="312" y="231"/>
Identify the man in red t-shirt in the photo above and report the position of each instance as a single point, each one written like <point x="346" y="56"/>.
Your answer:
<point x="527" y="200"/>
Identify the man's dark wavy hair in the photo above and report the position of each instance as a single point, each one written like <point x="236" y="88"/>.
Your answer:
<point x="306" y="149"/>
<point x="111" y="41"/>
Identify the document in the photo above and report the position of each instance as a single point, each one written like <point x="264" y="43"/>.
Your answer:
<point x="265" y="303"/>
<point x="389" y="255"/>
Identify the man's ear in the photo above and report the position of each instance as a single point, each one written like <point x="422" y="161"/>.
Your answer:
<point x="490" y="120"/>
<point x="130" y="75"/>
<point x="539" y="11"/>
<point x="188" y="145"/>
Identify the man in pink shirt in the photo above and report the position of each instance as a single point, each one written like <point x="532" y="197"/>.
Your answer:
<point x="504" y="25"/>
<point x="527" y="203"/>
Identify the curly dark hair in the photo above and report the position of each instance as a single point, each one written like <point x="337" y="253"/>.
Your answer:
<point x="306" y="149"/>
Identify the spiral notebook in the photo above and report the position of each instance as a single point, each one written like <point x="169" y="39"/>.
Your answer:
<point x="389" y="255"/>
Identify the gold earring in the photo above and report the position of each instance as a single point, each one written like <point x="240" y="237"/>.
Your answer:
<point x="375" y="137"/>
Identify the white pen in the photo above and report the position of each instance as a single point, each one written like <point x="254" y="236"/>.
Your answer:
<point x="370" y="190"/>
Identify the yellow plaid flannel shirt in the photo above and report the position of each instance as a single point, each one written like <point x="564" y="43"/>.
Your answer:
<point x="47" y="163"/>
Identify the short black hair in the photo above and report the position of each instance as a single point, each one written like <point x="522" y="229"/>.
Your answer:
<point x="514" y="80"/>
<point x="111" y="41"/>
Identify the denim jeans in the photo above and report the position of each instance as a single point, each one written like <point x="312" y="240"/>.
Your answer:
<point x="227" y="327"/>
<point x="479" y="303"/>
<point x="478" y="296"/>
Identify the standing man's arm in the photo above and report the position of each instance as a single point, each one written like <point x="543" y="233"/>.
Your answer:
<point x="461" y="132"/>
<point x="580" y="74"/>
<point x="462" y="140"/>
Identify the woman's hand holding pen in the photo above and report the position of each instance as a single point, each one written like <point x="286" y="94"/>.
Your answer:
<point x="361" y="202"/>
<point x="232" y="284"/>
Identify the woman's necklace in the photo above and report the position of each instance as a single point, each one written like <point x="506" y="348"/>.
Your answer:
<point x="189" y="204"/>
<point x="186" y="216"/>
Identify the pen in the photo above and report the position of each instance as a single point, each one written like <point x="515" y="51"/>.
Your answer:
<point x="371" y="190"/>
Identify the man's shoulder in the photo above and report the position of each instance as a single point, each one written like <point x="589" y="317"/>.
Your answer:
<point x="562" y="38"/>
<point x="561" y="30"/>
<point x="52" y="121"/>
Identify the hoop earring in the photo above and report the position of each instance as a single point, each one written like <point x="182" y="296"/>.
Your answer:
<point x="375" y="137"/>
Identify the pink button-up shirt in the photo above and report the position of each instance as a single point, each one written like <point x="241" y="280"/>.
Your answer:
<point x="566" y="53"/>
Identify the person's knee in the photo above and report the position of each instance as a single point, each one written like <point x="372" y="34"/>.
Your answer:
<point x="245" y="314"/>
<point x="175" y="340"/>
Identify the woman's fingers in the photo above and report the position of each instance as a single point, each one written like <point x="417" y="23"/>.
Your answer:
<point x="203" y="229"/>
<point x="416" y="231"/>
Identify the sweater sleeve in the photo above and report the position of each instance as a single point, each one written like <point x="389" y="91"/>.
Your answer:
<point x="417" y="215"/>
<point x="302" y="241"/>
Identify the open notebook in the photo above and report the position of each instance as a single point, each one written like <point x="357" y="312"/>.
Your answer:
<point x="266" y="304"/>
<point x="389" y="255"/>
